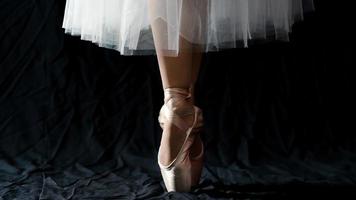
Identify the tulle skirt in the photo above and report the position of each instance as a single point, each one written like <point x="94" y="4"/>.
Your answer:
<point x="145" y="27"/>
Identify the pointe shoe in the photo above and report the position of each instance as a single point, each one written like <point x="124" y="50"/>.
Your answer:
<point x="197" y="160"/>
<point x="184" y="171"/>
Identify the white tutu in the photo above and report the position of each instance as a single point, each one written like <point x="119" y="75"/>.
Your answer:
<point x="132" y="26"/>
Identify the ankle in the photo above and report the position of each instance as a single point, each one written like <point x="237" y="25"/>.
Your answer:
<point x="181" y="107"/>
<point x="179" y="100"/>
<point x="185" y="111"/>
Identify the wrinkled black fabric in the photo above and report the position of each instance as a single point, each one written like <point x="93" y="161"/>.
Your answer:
<point x="80" y="122"/>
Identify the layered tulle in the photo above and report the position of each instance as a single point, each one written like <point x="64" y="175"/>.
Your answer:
<point x="144" y="27"/>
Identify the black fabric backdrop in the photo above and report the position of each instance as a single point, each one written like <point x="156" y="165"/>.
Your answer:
<point x="80" y="122"/>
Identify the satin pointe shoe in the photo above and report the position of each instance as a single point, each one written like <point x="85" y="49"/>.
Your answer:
<point x="177" y="175"/>
<point x="197" y="159"/>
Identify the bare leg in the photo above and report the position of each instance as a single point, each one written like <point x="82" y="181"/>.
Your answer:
<point x="175" y="72"/>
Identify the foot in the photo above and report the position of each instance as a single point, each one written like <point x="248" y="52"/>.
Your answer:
<point x="173" y="137"/>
